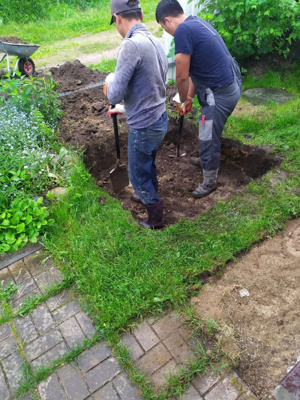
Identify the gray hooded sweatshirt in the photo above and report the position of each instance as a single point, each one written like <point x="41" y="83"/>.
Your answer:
<point x="140" y="78"/>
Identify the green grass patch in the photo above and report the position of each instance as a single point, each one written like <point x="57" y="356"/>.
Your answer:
<point x="105" y="65"/>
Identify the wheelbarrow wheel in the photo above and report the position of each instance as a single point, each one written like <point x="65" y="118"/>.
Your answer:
<point x="26" y="66"/>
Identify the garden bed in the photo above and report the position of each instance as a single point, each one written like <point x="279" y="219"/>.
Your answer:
<point x="86" y="125"/>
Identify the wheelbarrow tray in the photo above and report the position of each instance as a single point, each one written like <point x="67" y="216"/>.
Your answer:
<point x="19" y="50"/>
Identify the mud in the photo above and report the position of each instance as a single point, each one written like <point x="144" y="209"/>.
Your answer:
<point x="86" y="125"/>
<point x="13" y="40"/>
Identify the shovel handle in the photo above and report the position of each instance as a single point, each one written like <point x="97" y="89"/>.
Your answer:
<point x="179" y="134"/>
<point x="116" y="132"/>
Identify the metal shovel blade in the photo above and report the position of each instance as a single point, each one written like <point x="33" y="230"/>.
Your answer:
<point x="119" y="177"/>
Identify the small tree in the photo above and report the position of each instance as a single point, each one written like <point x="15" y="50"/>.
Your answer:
<point x="254" y="27"/>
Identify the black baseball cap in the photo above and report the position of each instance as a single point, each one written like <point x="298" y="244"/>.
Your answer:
<point x="120" y="6"/>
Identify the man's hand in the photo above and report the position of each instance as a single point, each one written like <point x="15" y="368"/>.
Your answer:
<point x="108" y="80"/>
<point x="183" y="108"/>
<point x="118" y="109"/>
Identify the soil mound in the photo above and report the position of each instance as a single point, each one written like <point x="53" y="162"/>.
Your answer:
<point x="13" y="40"/>
<point x="71" y="76"/>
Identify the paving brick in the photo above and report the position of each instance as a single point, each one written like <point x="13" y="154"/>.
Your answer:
<point x="5" y="277"/>
<point x="4" y="393"/>
<point x="42" y="319"/>
<point x="8" y="346"/>
<point x="72" y="333"/>
<point x="166" y="325"/>
<point x="223" y="391"/>
<point x="66" y="311"/>
<point x="45" y="280"/>
<point x="5" y="331"/>
<point x="51" y="389"/>
<point x="102" y="374"/>
<point x="240" y="385"/>
<point x="56" y="274"/>
<point x="58" y="300"/>
<point x="25" y="329"/>
<point x="18" y="301"/>
<point x="154" y="359"/>
<point x="205" y="382"/>
<point x="43" y="344"/>
<point x="13" y="370"/>
<point x="178" y="348"/>
<point x="34" y="262"/>
<point x="125" y="388"/>
<point x="160" y="378"/>
<point x="51" y="355"/>
<point x="106" y="393"/>
<point x="145" y="336"/>
<point x="191" y="394"/>
<point x="72" y="382"/>
<point x="86" y="324"/>
<point x="133" y="346"/>
<point x="19" y="272"/>
<point x="185" y="331"/>
<point x="27" y="289"/>
<point x="94" y="356"/>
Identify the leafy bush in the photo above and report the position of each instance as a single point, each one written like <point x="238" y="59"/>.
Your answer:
<point x="252" y="27"/>
<point x="22" y="223"/>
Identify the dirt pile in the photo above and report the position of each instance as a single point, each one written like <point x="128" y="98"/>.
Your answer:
<point x="86" y="125"/>
<point x="13" y="40"/>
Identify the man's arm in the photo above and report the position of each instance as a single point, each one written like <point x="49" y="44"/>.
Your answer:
<point x="192" y="90"/>
<point x="128" y="59"/>
<point x="183" y="62"/>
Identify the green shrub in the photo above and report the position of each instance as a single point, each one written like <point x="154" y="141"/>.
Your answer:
<point x="252" y="27"/>
<point x="21" y="223"/>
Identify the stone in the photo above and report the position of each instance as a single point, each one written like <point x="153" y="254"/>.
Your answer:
<point x="154" y="359"/>
<point x="107" y="393"/>
<point x="133" y="346"/>
<point x="223" y="391"/>
<point x="25" y="329"/>
<point x="125" y="388"/>
<point x="18" y="301"/>
<point x="42" y="318"/>
<point x="43" y="344"/>
<point x="5" y="277"/>
<point x="290" y="385"/>
<point x="66" y="311"/>
<point x="160" y="378"/>
<point x="205" y="382"/>
<point x="26" y="289"/>
<point x="4" y="393"/>
<point x="19" y="272"/>
<point x="35" y="262"/>
<point x="94" y="356"/>
<point x="145" y="335"/>
<point x="86" y="324"/>
<point x="8" y="346"/>
<point x="191" y="394"/>
<point x="5" y="331"/>
<point x="261" y="96"/>
<point x="47" y="359"/>
<point x="102" y="373"/>
<point x="178" y="348"/>
<point x="13" y="370"/>
<point x="72" y="381"/>
<point x="45" y="280"/>
<point x="167" y="325"/>
<point x="72" y="333"/>
<point x="51" y="389"/>
<point x="58" y="300"/>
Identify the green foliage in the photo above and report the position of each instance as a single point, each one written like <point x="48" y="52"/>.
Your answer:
<point x="22" y="223"/>
<point x="28" y="93"/>
<point x="7" y="291"/>
<point x="105" y="65"/>
<point x="252" y="27"/>
<point x="23" y="11"/>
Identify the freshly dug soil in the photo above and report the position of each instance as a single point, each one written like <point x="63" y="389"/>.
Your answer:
<point x="13" y="40"/>
<point x="86" y="124"/>
<point x="262" y="329"/>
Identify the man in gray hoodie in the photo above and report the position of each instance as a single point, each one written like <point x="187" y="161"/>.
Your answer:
<point x="140" y="80"/>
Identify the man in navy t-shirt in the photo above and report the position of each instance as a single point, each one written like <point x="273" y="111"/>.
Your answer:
<point x="204" y="67"/>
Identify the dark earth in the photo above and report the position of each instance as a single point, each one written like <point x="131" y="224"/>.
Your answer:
<point x="87" y="126"/>
<point x="12" y="39"/>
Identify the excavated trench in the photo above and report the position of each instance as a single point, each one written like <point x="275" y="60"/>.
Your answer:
<point x="86" y="125"/>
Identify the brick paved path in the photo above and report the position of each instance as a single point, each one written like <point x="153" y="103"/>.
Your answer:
<point x="157" y="347"/>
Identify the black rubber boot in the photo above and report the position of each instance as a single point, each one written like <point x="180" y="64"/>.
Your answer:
<point x="135" y="196"/>
<point x="208" y="186"/>
<point x="155" y="216"/>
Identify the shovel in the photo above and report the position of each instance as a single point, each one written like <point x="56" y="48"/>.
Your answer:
<point x="119" y="175"/>
<point x="179" y="135"/>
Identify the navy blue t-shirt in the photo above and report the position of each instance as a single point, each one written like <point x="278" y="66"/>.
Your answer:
<point x="209" y="61"/>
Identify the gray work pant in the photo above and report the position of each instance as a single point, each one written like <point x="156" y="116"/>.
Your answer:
<point x="217" y="106"/>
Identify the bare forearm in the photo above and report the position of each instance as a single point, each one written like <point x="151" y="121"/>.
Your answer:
<point x="183" y="88"/>
<point x="192" y="90"/>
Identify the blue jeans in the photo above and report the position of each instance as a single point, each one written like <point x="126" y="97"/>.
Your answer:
<point x="142" y="148"/>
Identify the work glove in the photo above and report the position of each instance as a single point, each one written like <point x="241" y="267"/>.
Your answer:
<point x="183" y="108"/>
<point x="118" y="109"/>
<point x="108" y="80"/>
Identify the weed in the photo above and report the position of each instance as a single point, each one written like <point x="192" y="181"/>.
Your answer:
<point x="7" y="291"/>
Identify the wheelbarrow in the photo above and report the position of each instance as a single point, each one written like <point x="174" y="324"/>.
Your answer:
<point x="23" y="51"/>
